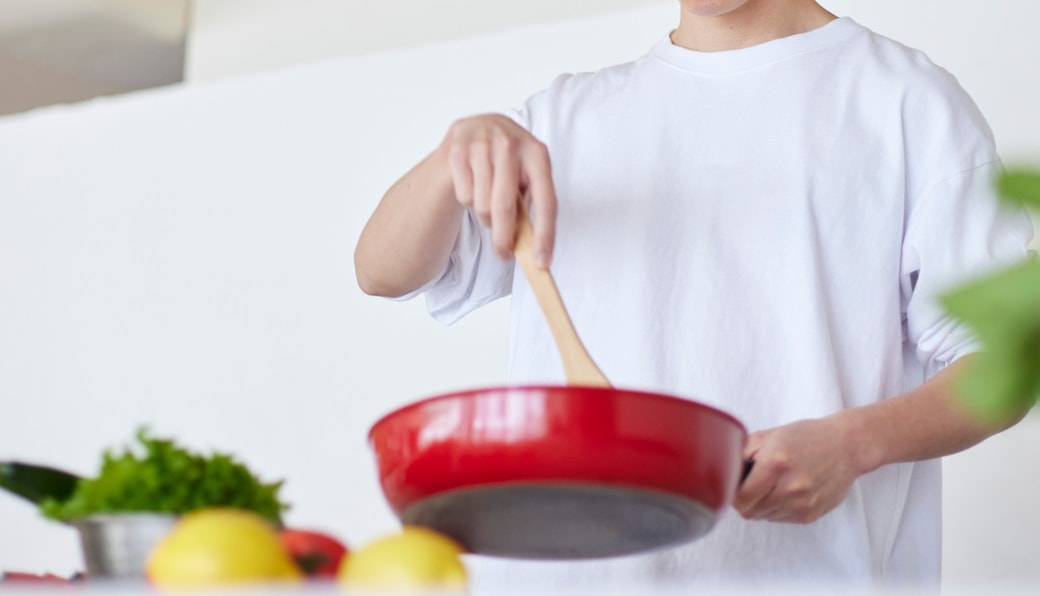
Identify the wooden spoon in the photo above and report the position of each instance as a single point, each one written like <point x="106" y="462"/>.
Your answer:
<point x="577" y="364"/>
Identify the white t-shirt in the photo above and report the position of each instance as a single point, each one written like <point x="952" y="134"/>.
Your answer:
<point x="765" y="230"/>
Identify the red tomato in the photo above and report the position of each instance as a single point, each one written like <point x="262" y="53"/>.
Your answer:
<point x="316" y="553"/>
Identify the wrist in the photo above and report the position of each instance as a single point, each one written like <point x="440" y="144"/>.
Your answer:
<point x="861" y="439"/>
<point x="438" y="184"/>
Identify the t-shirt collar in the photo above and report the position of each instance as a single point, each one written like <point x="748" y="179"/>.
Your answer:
<point x="729" y="61"/>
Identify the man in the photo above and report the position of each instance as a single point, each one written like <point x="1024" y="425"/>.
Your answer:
<point x="764" y="209"/>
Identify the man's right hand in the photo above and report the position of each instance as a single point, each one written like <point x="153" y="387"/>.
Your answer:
<point x="494" y="161"/>
<point x="485" y="163"/>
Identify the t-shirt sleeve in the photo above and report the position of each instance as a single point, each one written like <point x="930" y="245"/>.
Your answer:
<point x="474" y="275"/>
<point x="958" y="230"/>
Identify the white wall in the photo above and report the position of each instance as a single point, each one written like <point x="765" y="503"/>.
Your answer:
<point x="232" y="37"/>
<point x="182" y="257"/>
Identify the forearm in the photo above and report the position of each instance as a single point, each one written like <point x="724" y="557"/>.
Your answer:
<point x="804" y="469"/>
<point x="409" y="237"/>
<point x="925" y="423"/>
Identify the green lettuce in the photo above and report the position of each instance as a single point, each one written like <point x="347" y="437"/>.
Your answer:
<point x="163" y="477"/>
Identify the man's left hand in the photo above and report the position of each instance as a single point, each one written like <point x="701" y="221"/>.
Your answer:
<point x="802" y="470"/>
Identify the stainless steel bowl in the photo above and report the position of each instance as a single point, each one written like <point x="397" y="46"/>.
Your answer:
<point x="117" y="546"/>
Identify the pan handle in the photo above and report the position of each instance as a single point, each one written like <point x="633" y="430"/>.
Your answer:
<point x="748" y="464"/>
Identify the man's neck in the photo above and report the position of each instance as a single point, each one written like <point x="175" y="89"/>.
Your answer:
<point x="755" y="22"/>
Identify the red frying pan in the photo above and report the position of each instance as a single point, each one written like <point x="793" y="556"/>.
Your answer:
<point x="559" y="472"/>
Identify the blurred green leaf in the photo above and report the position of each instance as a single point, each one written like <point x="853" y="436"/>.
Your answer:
<point x="167" y="478"/>
<point x="1003" y="303"/>
<point x="1020" y="186"/>
<point x="1003" y="309"/>
<point x="999" y="384"/>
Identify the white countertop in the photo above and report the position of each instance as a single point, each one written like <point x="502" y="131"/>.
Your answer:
<point x="332" y="589"/>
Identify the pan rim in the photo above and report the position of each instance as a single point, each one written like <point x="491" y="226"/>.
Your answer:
<point x="686" y="402"/>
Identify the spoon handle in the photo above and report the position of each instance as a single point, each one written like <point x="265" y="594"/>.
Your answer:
<point x="577" y="364"/>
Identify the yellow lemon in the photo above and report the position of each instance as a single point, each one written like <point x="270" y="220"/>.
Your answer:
<point x="220" y="546"/>
<point x="413" y="558"/>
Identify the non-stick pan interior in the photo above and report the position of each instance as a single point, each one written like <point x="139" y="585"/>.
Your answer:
<point x="561" y="520"/>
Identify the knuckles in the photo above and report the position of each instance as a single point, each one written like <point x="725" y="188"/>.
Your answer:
<point x="506" y="146"/>
<point x="539" y="150"/>
<point x="775" y="463"/>
<point x="458" y="154"/>
<point x="491" y="136"/>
